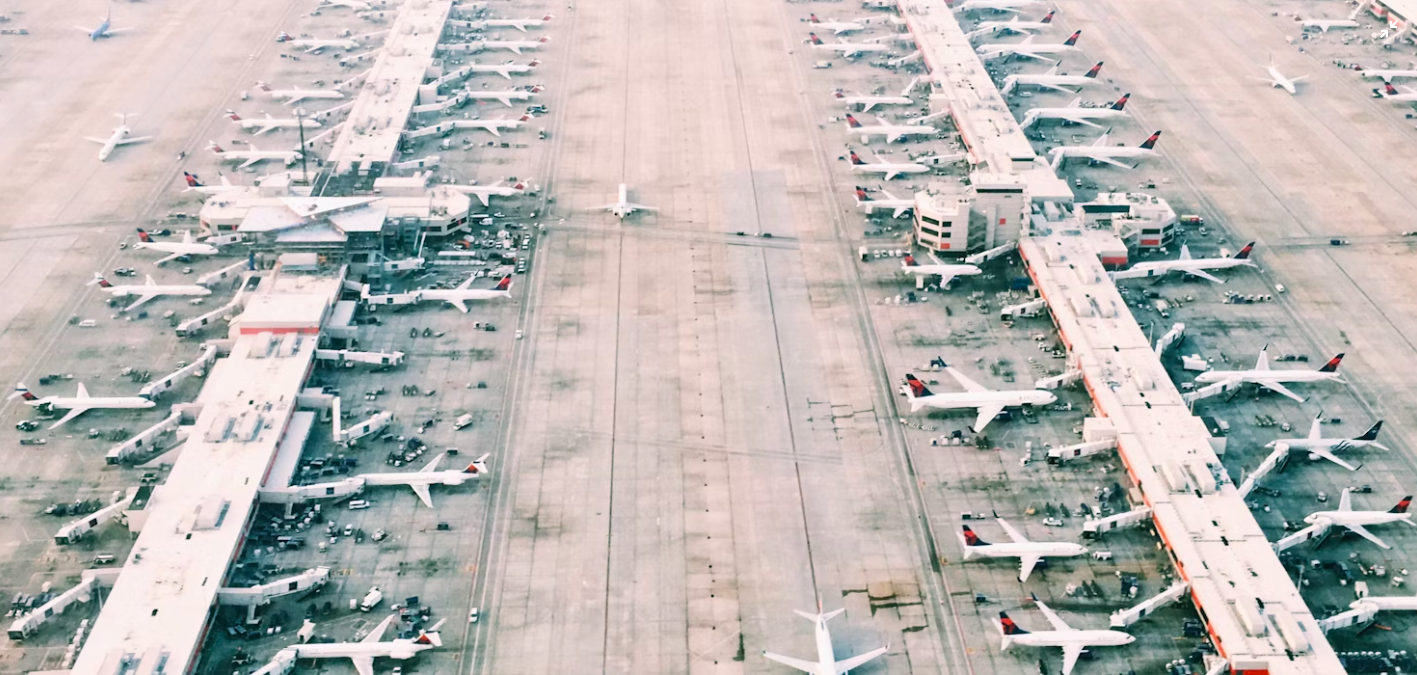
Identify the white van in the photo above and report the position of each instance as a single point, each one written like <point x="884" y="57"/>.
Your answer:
<point x="358" y="504"/>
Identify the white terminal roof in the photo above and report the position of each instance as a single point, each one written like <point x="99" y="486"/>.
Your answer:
<point x="161" y="604"/>
<point x="1253" y="611"/>
<point x="1407" y="9"/>
<point x="380" y="112"/>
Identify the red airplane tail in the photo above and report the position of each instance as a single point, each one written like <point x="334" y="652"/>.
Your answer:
<point x="546" y="18"/>
<point x="917" y="388"/>
<point x="191" y="179"/>
<point x="851" y="122"/>
<point x="536" y="89"/>
<point x="972" y="539"/>
<point x="1010" y="628"/>
<point x="1095" y="69"/>
<point x="143" y="236"/>
<point x="1402" y="505"/>
<point x="519" y="186"/>
<point x="813" y="18"/>
<point x="504" y="284"/>
<point x="215" y="148"/>
<point x="283" y="37"/>
<point x="1391" y="90"/>
<point x="1047" y="19"/>
<point x="911" y="262"/>
<point x="1332" y="365"/>
<point x="1150" y="143"/>
<point x="24" y="392"/>
<point x="1122" y="102"/>
<point x="855" y="159"/>
<point x="839" y="94"/>
<point x="534" y="63"/>
<point x="1072" y="41"/>
<point x="816" y="41"/>
<point x="231" y="115"/>
<point x="1244" y="253"/>
<point x="861" y="194"/>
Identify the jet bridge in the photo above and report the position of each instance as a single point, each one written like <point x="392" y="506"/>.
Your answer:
<point x="351" y="356"/>
<point x="90" y="580"/>
<point x="373" y="425"/>
<point x="1056" y="381"/>
<point x="144" y="441"/>
<point x="154" y="389"/>
<point x="229" y="271"/>
<point x="1126" y="617"/>
<point x="1094" y="527"/>
<point x="1306" y="534"/>
<point x="1270" y="463"/>
<point x="75" y="530"/>
<point x="257" y="596"/>
<point x="299" y="494"/>
<point x="1079" y="450"/>
<point x="1171" y="337"/>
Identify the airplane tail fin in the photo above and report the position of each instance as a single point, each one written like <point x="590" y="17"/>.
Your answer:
<point x="917" y="388"/>
<point x="1332" y="365"/>
<point x="1048" y="18"/>
<point x="972" y="539"/>
<point x="1390" y="90"/>
<point x="430" y="638"/>
<point x="816" y="41"/>
<point x="1008" y="629"/>
<point x="812" y="18"/>
<point x="1072" y="41"/>
<point x="1095" y="69"/>
<point x="1150" y="143"/>
<point x="504" y="284"/>
<point x="1402" y="505"/>
<point x="851" y="122"/>
<point x="1244" y="253"/>
<point x="1372" y="433"/>
<point x="533" y="63"/>
<point x="1122" y="102"/>
<point x="98" y="279"/>
<point x="211" y="145"/>
<point x="910" y="261"/>
<point x="231" y="115"/>
<point x="839" y="94"/>
<point x="143" y="236"/>
<point x="21" y="391"/>
<point x="479" y="465"/>
<point x="861" y="195"/>
<point x="855" y="159"/>
<point x="191" y="179"/>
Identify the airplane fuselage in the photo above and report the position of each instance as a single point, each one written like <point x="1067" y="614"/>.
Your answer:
<point x="177" y="247"/>
<point x="1102" y="151"/>
<point x="396" y="649"/>
<point x="970" y="399"/>
<point x="1087" y="638"/>
<point x="996" y="5"/>
<point x="943" y="270"/>
<point x="1388" y="75"/>
<point x="94" y="403"/>
<point x="1057" y="549"/>
<point x="1071" y="114"/>
<point x="130" y="291"/>
<point x="1164" y="266"/>
<point x="1280" y="376"/>
<point x="1358" y="518"/>
<point x="871" y="101"/>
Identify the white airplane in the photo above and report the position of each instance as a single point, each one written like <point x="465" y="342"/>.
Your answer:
<point x="988" y="402"/>
<point x="1072" y="640"/>
<point x="1052" y="80"/>
<point x="484" y="193"/>
<point x="1319" y="447"/>
<point x="996" y="5"/>
<point x="506" y="97"/>
<point x="868" y="102"/>
<point x="147" y="291"/>
<point x="622" y="206"/>
<point x="105" y="29"/>
<point x="352" y="4"/>
<point x="1273" y="380"/>
<point x="364" y="652"/>
<point x="826" y="663"/>
<point x="505" y="69"/>
<point x="1029" y="49"/>
<point x="946" y="271"/>
<point x="1387" y="75"/>
<point x="847" y="49"/>
<point x="459" y="296"/>
<point x="1195" y="267"/>
<point x="519" y="24"/>
<point x="429" y="475"/>
<point x="1013" y="25"/>
<point x="1099" y="151"/>
<point x="498" y="125"/>
<point x="1078" y="115"/>
<point x="295" y="95"/>
<point x="272" y="123"/>
<point x="1027" y="552"/>
<point x="178" y="249"/>
<point x="886" y="169"/>
<point x="836" y="27"/>
<point x="1277" y="79"/>
<point x="1407" y="95"/>
<point x="1345" y="516"/>
<point x="252" y="155"/>
<point x="515" y="46"/>
<point x="119" y="137"/>
<point x="81" y="402"/>
<point x="1325" y="24"/>
<point x="892" y="132"/>
<point x="196" y="185"/>
<point x="869" y="205"/>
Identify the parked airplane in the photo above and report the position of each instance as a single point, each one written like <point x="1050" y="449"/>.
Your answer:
<point x="519" y="24"/>
<point x="81" y="402"/>
<point x="495" y="127"/>
<point x="295" y="95"/>
<point x="504" y="69"/>
<point x="1345" y="516"/>
<point x="946" y="271"/>
<point x="104" y="29"/>
<point x="1273" y="379"/>
<point x="836" y="27"/>
<point x="1319" y="447"/>
<point x="272" y="123"/>
<point x="1078" y="115"/>
<point x="622" y="206"/>
<point x="1027" y="552"/>
<point x="506" y="97"/>
<point x="1325" y="24"/>
<point x="1387" y="75"/>
<point x="886" y="169"/>
<point x="196" y="185"/>
<point x="1052" y="80"/>
<point x="869" y="205"/>
<point x="515" y="46"/>
<point x="352" y="4"/>
<point x="429" y="475"/>
<point x="147" y="291"/>
<point x="1099" y="151"/>
<point x="364" y="652"/>
<point x="996" y="5"/>
<point x="119" y="137"/>
<point x="252" y="155"/>
<point x="1029" y="49"/>
<point x="892" y="132"/>
<point x="484" y="193"/>
<point x="988" y="402"/>
<point x="826" y="663"/>
<point x="1408" y="94"/>
<point x="1013" y="25"/>
<point x="868" y="102"/>
<point x="178" y="249"/>
<point x="1195" y="267"/>
<point x="1277" y="79"/>
<point x="1072" y="640"/>
<point x="459" y="296"/>
<point x="847" y="49"/>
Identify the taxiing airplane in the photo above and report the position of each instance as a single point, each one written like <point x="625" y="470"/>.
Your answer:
<point x="886" y="169"/>
<point x="1014" y="25"/>
<point x="272" y="123"/>
<point x="996" y="5"/>
<point x="1319" y="447"/>
<point x="622" y="206"/>
<point x="989" y="403"/>
<point x="1325" y="24"/>
<point x="869" y="205"/>
<point x="1195" y="267"/>
<point x="519" y="24"/>
<point x="495" y="127"/>
<point x="458" y="297"/>
<point x="1029" y="49"/>
<point x="484" y="193"/>
<point x="826" y="663"/>
<point x="104" y="29"/>
<point x="296" y="95"/>
<point x="1099" y="151"/>
<point x="1027" y="552"/>
<point x="1072" y="640"/>
<point x="429" y="475"/>
<point x="515" y="46"/>
<point x="1355" y="521"/>
<point x="120" y="137"/>
<point x="868" y="102"/>
<point x="1277" y="79"/>
<point x="1052" y="80"/>
<point x="352" y="4"/>
<point x="1274" y="380"/>
<point x="372" y="647"/>
<point x="195" y="185"/>
<point x="946" y="271"/>
<point x="1408" y="94"/>
<point x="81" y="402"/>
<point x="506" y="97"/>
<point x="1076" y="114"/>
<point x="147" y="291"/>
<point x="847" y="49"/>
<point x="316" y="45"/>
<point x="253" y="155"/>
<point x="1387" y="75"/>
<point x="178" y="249"/>
<point x="504" y="69"/>
<point x="836" y="27"/>
<point x="892" y="132"/>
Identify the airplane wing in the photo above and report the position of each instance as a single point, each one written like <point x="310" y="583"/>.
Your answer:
<point x="140" y="301"/>
<point x="1125" y="165"/>
<point x="945" y="279"/>
<point x="867" y="106"/>
<point x="170" y="258"/>
<point x="603" y="207"/>
<point x="378" y="633"/>
<point x="506" y="100"/>
<point x="1364" y="533"/>
<point x="1053" y="618"/>
<point x="493" y="129"/>
<point x="467" y="282"/>
<point x="85" y="30"/>
<point x="1083" y="120"/>
<point x="900" y="211"/>
<point x="264" y="128"/>
<point x="73" y="412"/>
<point x="100" y="141"/>
<point x="249" y="162"/>
<point x="1031" y="55"/>
<point x="315" y="50"/>
<point x="805" y="666"/>
<point x="892" y="137"/>
<point x="112" y="31"/>
<point x="1280" y="389"/>
<point x="1332" y="458"/>
<point x="1070" y="657"/>
<point x="986" y="414"/>
<point x="483" y="197"/>
<point x="363" y="664"/>
<point x="515" y="49"/>
<point x="1026" y="563"/>
<point x="1014" y="534"/>
<point x="462" y="306"/>
<point x="139" y="139"/>
<point x="891" y="174"/>
<point x="968" y="384"/>
<point x="846" y="665"/>
<point x="1195" y="273"/>
<point x="642" y="207"/>
<point x="1345" y="502"/>
<point x="424" y="494"/>
<point x="504" y="72"/>
<point x="1055" y="87"/>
